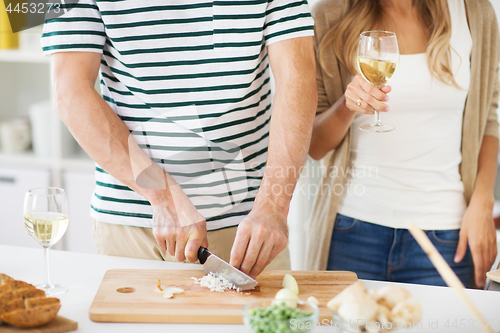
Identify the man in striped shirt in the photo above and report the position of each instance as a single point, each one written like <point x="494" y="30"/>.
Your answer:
<point x="182" y="135"/>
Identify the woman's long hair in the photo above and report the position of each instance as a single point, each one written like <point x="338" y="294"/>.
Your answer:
<point x="363" y="15"/>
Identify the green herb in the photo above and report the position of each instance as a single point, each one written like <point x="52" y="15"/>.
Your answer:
<point x="277" y="318"/>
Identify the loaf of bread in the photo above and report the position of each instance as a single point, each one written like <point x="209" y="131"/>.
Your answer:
<point x="23" y="305"/>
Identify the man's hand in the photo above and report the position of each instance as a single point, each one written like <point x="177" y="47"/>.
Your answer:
<point x="478" y="230"/>
<point x="261" y="236"/>
<point x="264" y="233"/>
<point x="178" y="227"/>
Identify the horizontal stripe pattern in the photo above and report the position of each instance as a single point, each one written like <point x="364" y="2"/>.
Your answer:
<point x="191" y="81"/>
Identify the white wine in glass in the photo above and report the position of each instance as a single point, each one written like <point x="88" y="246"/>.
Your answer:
<point x="46" y="219"/>
<point x="378" y="57"/>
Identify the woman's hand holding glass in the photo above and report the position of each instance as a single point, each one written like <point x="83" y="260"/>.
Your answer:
<point x="362" y="97"/>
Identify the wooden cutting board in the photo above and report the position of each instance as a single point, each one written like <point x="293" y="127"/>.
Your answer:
<point x="141" y="304"/>
<point x="57" y="325"/>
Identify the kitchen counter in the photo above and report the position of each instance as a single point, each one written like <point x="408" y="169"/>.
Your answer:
<point x="82" y="273"/>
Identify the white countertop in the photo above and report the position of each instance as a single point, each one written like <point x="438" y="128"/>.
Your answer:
<point x="82" y="274"/>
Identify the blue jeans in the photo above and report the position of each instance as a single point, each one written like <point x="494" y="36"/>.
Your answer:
<point x="375" y="252"/>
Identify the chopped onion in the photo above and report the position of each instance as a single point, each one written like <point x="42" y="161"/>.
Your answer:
<point x="215" y="283"/>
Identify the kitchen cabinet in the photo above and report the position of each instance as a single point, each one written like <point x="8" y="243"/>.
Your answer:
<point x="14" y="182"/>
<point x="79" y="187"/>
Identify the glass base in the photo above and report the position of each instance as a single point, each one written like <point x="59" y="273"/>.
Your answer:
<point x="382" y="128"/>
<point x="52" y="289"/>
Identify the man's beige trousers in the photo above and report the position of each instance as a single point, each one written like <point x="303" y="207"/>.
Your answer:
<point x="136" y="242"/>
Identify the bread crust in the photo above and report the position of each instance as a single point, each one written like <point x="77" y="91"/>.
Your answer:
<point x="32" y="317"/>
<point x="35" y="302"/>
<point x="23" y="305"/>
<point x="17" y="284"/>
<point x="4" y="277"/>
<point x="29" y="293"/>
<point x="4" y="288"/>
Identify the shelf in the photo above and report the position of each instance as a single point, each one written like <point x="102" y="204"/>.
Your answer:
<point x="20" y="56"/>
<point x="78" y="162"/>
<point x="25" y="159"/>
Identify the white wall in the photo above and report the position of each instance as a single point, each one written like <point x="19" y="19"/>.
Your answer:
<point x="496" y="5"/>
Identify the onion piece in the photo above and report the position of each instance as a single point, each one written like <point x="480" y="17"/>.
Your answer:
<point x="158" y="285"/>
<point x="167" y="295"/>
<point x="173" y="290"/>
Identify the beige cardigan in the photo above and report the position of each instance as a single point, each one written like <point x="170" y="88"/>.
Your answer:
<point x="480" y="117"/>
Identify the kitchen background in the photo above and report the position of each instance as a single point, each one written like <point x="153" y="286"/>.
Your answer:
<point x="36" y="150"/>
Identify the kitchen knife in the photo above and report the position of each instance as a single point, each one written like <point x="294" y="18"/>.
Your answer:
<point x="212" y="263"/>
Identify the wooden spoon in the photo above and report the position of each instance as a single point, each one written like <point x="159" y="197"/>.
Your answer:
<point x="446" y="272"/>
<point x="494" y="275"/>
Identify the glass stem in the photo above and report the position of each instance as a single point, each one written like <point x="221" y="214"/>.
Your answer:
<point x="377" y="119"/>
<point x="47" y="283"/>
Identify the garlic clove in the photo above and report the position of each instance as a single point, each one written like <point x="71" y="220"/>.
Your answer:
<point x="289" y="282"/>
<point x="355" y="290"/>
<point x="288" y="297"/>
<point x="364" y="309"/>
<point x="391" y="295"/>
<point x="406" y="311"/>
<point x="313" y="300"/>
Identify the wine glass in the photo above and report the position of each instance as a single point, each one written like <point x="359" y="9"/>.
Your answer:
<point x="46" y="219"/>
<point x="378" y="57"/>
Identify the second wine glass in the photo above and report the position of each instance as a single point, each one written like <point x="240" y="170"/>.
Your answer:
<point x="378" y="58"/>
<point x="46" y="219"/>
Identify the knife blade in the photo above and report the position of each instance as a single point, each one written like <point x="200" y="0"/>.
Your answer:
<point x="213" y="264"/>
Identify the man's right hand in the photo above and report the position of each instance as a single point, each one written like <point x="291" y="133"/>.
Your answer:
<point x="178" y="227"/>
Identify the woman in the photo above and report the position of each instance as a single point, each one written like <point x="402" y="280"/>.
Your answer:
<point x="437" y="168"/>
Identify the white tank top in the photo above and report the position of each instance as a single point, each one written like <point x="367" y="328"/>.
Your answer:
<point x="411" y="173"/>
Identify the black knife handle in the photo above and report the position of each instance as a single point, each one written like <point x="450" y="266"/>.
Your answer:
<point x="203" y="254"/>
